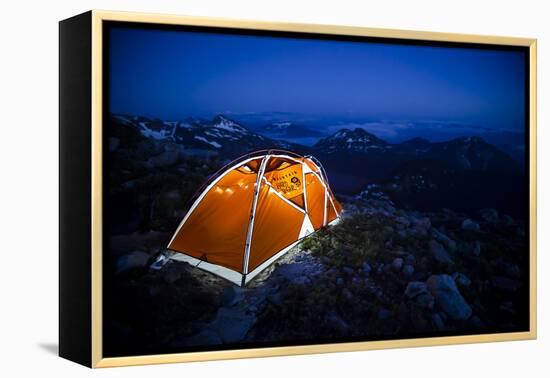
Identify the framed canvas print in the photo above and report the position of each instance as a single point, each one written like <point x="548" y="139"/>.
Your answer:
<point x="235" y="189"/>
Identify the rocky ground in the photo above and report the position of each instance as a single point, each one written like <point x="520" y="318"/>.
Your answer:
<point x="381" y="273"/>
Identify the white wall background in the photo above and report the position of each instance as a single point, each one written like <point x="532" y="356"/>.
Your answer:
<point x="28" y="207"/>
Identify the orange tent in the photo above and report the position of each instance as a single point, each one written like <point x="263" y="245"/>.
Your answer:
<point x="253" y="211"/>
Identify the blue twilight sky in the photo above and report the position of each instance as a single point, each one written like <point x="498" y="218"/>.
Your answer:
<point x="175" y="74"/>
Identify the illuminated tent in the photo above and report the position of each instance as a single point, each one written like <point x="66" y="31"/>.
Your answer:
<point x="253" y="211"/>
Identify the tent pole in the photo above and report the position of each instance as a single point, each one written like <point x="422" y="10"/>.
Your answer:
<point x="304" y="188"/>
<point x="246" y="256"/>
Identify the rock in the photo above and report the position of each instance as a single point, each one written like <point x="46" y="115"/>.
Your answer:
<point x="489" y="215"/>
<point x="415" y="288"/>
<point x="505" y="283"/>
<point x="448" y="298"/>
<point x="397" y="264"/>
<point x="297" y="271"/>
<point x="410" y="259"/>
<point x="418" y="293"/>
<point x="461" y="279"/>
<point x="443" y="239"/>
<point x="408" y="270"/>
<point x="440" y="254"/>
<point x="136" y="259"/>
<point x="425" y="300"/>
<point x="424" y="223"/>
<point x="470" y="225"/>
<point x="420" y="226"/>
<point x="113" y="144"/>
<point x="232" y="324"/>
<point x="366" y="268"/>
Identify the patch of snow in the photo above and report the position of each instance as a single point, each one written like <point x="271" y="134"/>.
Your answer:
<point x="212" y="143"/>
<point x="228" y="125"/>
<point x="122" y="119"/>
<point x="148" y="133"/>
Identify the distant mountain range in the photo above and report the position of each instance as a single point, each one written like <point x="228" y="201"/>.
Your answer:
<point x="220" y="134"/>
<point x="355" y="158"/>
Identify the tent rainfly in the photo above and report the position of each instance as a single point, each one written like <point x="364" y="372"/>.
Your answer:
<point x="252" y="212"/>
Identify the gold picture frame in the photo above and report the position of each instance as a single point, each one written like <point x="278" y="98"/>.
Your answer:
<point x="97" y="19"/>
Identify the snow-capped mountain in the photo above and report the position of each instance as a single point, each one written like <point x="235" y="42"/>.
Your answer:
<point x="357" y="140"/>
<point x="219" y="134"/>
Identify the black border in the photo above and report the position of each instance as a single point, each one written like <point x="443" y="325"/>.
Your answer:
<point x="75" y="193"/>
<point x="109" y="25"/>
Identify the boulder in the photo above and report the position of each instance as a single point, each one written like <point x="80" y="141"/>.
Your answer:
<point x="408" y="270"/>
<point x="440" y="254"/>
<point x="418" y="293"/>
<point x="470" y="225"/>
<point x="443" y="239"/>
<point x="415" y="288"/>
<point x="420" y="226"/>
<point x="397" y="264"/>
<point x="461" y="279"/>
<point x="448" y="297"/>
<point x="366" y="268"/>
